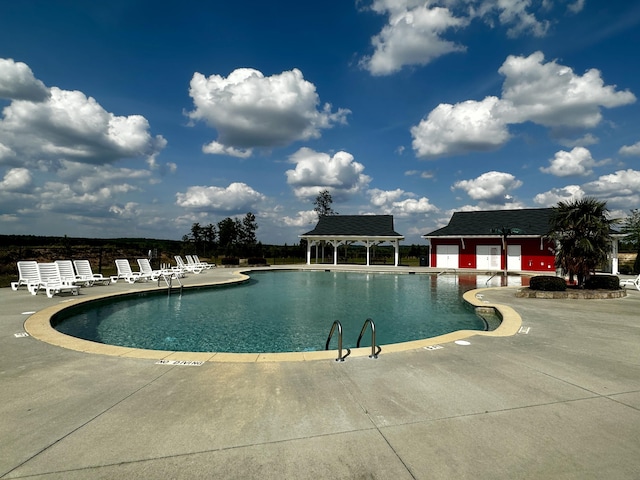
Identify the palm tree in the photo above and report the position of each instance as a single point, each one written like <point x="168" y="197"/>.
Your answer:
<point x="583" y="235"/>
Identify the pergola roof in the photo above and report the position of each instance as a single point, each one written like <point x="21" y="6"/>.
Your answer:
<point x="355" y="226"/>
<point x="527" y="222"/>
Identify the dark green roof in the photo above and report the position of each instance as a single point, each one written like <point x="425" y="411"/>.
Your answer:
<point x="355" y="225"/>
<point x="527" y="221"/>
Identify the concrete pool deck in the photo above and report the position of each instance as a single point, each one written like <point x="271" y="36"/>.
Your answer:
<point x="558" y="399"/>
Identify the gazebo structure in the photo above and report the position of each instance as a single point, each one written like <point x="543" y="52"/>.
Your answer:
<point x="337" y="230"/>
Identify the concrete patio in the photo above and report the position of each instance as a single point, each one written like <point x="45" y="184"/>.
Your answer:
<point x="560" y="399"/>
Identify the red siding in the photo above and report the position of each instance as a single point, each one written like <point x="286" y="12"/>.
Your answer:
<point x="532" y="257"/>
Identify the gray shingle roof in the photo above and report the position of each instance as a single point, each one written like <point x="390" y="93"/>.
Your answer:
<point x="355" y="225"/>
<point x="527" y="221"/>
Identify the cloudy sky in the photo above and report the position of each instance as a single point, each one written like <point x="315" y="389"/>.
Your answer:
<point x="139" y="118"/>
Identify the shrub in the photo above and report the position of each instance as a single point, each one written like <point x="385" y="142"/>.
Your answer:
<point x="257" y="261"/>
<point x="548" y="283"/>
<point x="230" y="261"/>
<point x="605" y="282"/>
<point x="626" y="270"/>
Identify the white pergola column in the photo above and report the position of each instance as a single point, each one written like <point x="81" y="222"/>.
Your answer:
<point x="368" y="245"/>
<point x="335" y="244"/>
<point x="396" y="246"/>
<point x="311" y="243"/>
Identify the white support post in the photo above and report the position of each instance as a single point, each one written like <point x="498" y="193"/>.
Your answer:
<point x="368" y="244"/>
<point x="396" y="245"/>
<point x="336" y="244"/>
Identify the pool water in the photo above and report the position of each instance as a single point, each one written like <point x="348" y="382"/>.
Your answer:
<point x="279" y="312"/>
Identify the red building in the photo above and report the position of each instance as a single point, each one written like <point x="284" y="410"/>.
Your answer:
<point x="495" y="240"/>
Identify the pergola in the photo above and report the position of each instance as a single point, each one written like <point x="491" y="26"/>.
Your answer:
<point x="337" y="230"/>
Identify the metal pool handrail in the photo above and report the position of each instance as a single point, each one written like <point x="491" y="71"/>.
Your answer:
<point x="374" y="353"/>
<point x="168" y="277"/>
<point x="337" y="325"/>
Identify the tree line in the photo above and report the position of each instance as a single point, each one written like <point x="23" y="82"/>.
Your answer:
<point x="230" y="237"/>
<point x="237" y="237"/>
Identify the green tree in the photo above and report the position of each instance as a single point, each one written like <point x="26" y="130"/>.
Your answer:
<point x="228" y="235"/>
<point x="209" y="236"/>
<point x="583" y="235"/>
<point x="247" y="233"/>
<point x="323" y="204"/>
<point x="196" y="235"/>
<point x="631" y="230"/>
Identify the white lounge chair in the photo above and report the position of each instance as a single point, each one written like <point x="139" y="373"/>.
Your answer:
<point x="631" y="282"/>
<point x="51" y="281"/>
<point x="84" y="271"/>
<point x="125" y="272"/>
<point x="28" y="275"/>
<point x="148" y="271"/>
<point x="68" y="274"/>
<point x="196" y="258"/>
<point x="187" y="267"/>
<point x="194" y="261"/>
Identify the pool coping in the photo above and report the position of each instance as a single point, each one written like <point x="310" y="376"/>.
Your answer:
<point x="38" y="325"/>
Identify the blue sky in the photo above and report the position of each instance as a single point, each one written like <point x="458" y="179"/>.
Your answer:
<point x="139" y="118"/>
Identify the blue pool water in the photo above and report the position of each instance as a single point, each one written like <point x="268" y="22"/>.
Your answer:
<point x="279" y="312"/>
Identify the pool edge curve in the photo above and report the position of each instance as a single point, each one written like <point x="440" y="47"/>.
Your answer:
<point x="38" y="326"/>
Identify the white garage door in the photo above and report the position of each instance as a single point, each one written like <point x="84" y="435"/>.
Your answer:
<point x="514" y="257"/>
<point x="488" y="257"/>
<point x="447" y="256"/>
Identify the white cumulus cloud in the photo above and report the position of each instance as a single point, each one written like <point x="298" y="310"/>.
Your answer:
<point x="548" y="94"/>
<point x="412" y="36"/>
<point x="72" y="126"/>
<point x="400" y="203"/>
<point x="17" y="82"/>
<point x="516" y="15"/>
<point x="16" y="180"/>
<point x="621" y="191"/>
<point x="460" y="128"/>
<point x="216" y="148"/>
<point x="236" y="198"/>
<point x="576" y="162"/>
<point x="630" y="149"/>
<point x="55" y="124"/>
<point x="418" y="32"/>
<point x="620" y="183"/>
<point x="491" y="187"/>
<point x="249" y="110"/>
<point x="317" y="171"/>
<point x="555" y="195"/>
<point x="303" y="218"/>
<point x="552" y="95"/>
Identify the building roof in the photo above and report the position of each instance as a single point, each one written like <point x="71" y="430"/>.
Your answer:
<point x="491" y="223"/>
<point x="354" y="226"/>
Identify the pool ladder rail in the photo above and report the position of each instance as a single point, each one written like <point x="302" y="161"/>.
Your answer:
<point x="334" y="326"/>
<point x="375" y="350"/>
<point x="168" y="277"/>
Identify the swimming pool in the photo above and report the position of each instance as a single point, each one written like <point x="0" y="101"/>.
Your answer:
<point x="288" y="311"/>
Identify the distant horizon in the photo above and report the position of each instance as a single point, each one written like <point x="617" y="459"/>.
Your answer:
<point x="138" y="119"/>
